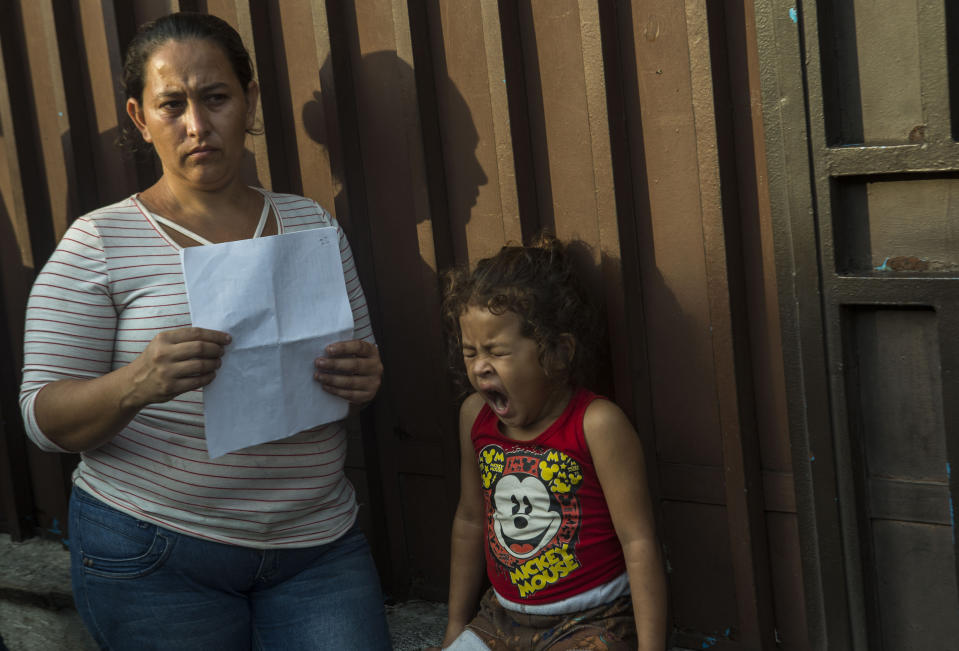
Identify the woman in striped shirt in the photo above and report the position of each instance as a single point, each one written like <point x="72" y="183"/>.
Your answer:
<point x="170" y="549"/>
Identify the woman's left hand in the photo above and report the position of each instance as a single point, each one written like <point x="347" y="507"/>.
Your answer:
<point x="351" y="370"/>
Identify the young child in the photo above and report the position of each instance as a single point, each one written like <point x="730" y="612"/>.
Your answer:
<point x="554" y="491"/>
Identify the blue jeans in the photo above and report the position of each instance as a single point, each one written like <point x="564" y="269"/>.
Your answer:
<point x="139" y="586"/>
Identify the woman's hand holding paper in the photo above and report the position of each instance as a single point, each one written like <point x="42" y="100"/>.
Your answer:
<point x="351" y="370"/>
<point x="174" y="362"/>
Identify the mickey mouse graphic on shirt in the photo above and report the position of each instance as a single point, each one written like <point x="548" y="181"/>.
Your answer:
<point x="533" y="512"/>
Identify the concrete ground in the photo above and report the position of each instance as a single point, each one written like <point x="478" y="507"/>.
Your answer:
<point x="37" y="614"/>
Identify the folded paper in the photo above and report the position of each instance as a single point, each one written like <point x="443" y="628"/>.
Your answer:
<point x="283" y="300"/>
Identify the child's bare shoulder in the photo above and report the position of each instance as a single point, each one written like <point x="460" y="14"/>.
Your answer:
<point x="602" y="413"/>
<point x="604" y="423"/>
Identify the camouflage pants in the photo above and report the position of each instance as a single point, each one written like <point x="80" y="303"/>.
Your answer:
<point x="609" y="627"/>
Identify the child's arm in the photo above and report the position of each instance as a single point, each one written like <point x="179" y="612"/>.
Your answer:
<point x="618" y="457"/>
<point x="467" y="561"/>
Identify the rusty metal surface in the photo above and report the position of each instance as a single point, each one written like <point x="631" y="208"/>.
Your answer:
<point x="438" y="131"/>
<point x="876" y="224"/>
<point x="856" y="160"/>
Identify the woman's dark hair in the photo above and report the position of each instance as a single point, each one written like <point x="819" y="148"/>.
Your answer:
<point x="540" y="284"/>
<point x="181" y="26"/>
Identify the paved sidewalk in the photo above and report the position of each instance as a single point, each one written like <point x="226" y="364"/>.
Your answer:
<point x="36" y="607"/>
<point x="37" y="614"/>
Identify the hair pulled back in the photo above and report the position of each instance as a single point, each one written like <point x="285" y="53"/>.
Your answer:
<point x="540" y="284"/>
<point x="180" y="26"/>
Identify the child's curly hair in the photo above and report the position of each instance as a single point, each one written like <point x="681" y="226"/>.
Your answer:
<point x="540" y="284"/>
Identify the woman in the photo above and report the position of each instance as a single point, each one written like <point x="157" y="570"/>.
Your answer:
<point x="259" y="548"/>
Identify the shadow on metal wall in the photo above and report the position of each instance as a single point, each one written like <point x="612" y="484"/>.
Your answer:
<point x="403" y="238"/>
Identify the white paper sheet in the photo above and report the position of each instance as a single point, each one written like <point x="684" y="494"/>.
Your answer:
<point x="283" y="300"/>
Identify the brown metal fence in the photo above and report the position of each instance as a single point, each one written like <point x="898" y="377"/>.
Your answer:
<point x="436" y="131"/>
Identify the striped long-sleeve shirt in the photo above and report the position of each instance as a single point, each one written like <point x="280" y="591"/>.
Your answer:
<point x="112" y="284"/>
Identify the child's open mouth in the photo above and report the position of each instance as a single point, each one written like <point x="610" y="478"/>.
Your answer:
<point x="497" y="401"/>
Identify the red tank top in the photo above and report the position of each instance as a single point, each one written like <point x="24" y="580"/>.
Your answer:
<point x="549" y="535"/>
